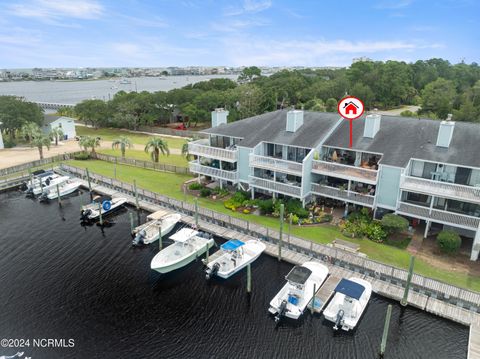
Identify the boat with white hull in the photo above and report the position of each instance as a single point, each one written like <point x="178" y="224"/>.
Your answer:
<point x="349" y="302"/>
<point x="236" y="256"/>
<point x="188" y="245"/>
<point x="66" y="188"/>
<point x="149" y="232"/>
<point x="295" y="295"/>
<point x="45" y="183"/>
<point x="92" y="211"/>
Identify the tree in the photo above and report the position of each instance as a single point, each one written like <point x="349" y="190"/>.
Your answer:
<point x="156" y="145"/>
<point x="15" y="112"/>
<point x="29" y="130"/>
<point x="185" y="152"/>
<point x="122" y="142"/>
<point x="95" y="112"/>
<point x="249" y="73"/>
<point x="40" y="140"/>
<point x="438" y="96"/>
<point x="56" y="133"/>
<point x="393" y="223"/>
<point x="87" y="142"/>
<point x="449" y="241"/>
<point x="364" y="93"/>
<point x="331" y="105"/>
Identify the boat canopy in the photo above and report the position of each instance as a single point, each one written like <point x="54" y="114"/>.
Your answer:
<point x="232" y="244"/>
<point x="298" y="275"/>
<point x="183" y="235"/>
<point x="350" y="288"/>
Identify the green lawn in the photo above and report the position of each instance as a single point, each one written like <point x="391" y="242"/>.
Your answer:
<point x="172" y="159"/>
<point x="110" y="134"/>
<point x="170" y="184"/>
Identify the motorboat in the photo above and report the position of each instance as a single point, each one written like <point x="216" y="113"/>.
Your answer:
<point x="103" y="205"/>
<point x="188" y="244"/>
<point x="236" y="256"/>
<point x="65" y="188"/>
<point x="149" y="232"/>
<point x="45" y="183"/>
<point x="295" y="295"/>
<point x="40" y="180"/>
<point x="349" y="302"/>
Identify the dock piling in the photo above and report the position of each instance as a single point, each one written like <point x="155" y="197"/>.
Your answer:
<point x="58" y="196"/>
<point x="160" y="237"/>
<point x="31" y="176"/>
<point x="206" y="254"/>
<point x="136" y="194"/>
<point x="89" y="184"/>
<point x="313" y="297"/>
<point x="100" y="213"/>
<point x="115" y="168"/>
<point x="386" y="327"/>
<point x="249" y="278"/>
<point x="404" y="300"/>
<point x="196" y="213"/>
<point x="282" y="208"/>
<point x="289" y="228"/>
<point x="132" y="226"/>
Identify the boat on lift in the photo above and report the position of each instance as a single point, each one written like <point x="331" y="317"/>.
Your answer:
<point x="149" y="232"/>
<point x="188" y="244"/>
<point x="349" y="302"/>
<point x="65" y="188"/>
<point x="295" y="295"/>
<point x="44" y="183"/>
<point x="92" y="211"/>
<point x="236" y="256"/>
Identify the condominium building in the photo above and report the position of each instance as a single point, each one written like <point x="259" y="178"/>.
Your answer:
<point x="425" y="170"/>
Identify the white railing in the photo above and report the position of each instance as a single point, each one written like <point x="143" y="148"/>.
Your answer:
<point x="442" y="189"/>
<point x="278" y="187"/>
<point x="344" y="195"/>
<point x="344" y="171"/>
<point x="202" y="148"/>
<point x="213" y="172"/>
<point x="276" y="164"/>
<point x="456" y="219"/>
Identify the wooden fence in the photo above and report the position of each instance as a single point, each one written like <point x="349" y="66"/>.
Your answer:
<point x="455" y="295"/>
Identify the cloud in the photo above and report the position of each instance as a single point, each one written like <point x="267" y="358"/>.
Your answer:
<point x="248" y="7"/>
<point x="393" y="4"/>
<point x="155" y="22"/>
<point x="53" y="10"/>
<point x="238" y="24"/>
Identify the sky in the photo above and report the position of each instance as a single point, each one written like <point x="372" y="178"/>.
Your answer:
<point x="157" y="33"/>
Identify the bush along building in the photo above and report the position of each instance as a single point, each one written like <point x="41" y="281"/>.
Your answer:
<point x="425" y="170"/>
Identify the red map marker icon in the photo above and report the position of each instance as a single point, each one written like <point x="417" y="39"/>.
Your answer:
<point x="350" y="108"/>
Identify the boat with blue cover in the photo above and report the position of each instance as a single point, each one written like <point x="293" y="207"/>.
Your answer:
<point x="349" y="302"/>
<point x="295" y="295"/>
<point x="235" y="256"/>
<point x="101" y="204"/>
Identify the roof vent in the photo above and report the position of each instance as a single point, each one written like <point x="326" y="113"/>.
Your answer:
<point x="445" y="132"/>
<point x="219" y="117"/>
<point x="372" y="125"/>
<point x="294" y="120"/>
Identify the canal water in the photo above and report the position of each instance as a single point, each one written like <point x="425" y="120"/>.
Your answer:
<point x="60" y="280"/>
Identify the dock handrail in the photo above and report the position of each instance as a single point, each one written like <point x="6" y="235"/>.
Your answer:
<point x="461" y="297"/>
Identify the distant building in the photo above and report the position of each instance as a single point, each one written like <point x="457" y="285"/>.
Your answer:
<point x="67" y="124"/>
<point x="361" y="59"/>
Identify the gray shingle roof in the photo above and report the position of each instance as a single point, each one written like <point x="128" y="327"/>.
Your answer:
<point x="271" y="127"/>
<point x="48" y="119"/>
<point x="402" y="138"/>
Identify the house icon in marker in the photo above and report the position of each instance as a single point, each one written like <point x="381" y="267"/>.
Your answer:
<point x="350" y="108"/>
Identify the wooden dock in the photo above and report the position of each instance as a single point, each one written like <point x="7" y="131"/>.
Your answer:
<point x="326" y="292"/>
<point x="474" y="342"/>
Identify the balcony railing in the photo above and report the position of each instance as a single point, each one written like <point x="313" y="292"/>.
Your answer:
<point x="196" y="167"/>
<point x="289" y="190"/>
<point x="276" y="164"/>
<point x="455" y="219"/>
<point x="202" y="148"/>
<point x="344" y="195"/>
<point x="344" y="171"/>
<point x="441" y="189"/>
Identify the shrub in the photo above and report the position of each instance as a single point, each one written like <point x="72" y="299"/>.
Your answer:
<point x="9" y="143"/>
<point x="393" y="223"/>
<point x="205" y="192"/>
<point x="295" y="219"/>
<point x="195" y="186"/>
<point x="408" y="113"/>
<point x="239" y="197"/>
<point x="266" y="206"/>
<point x="302" y="213"/>
<point x="375" y="232"/>
<point x="449" y="241"/>
<point x="246" y="211"/>
<point x="82" y="156"/>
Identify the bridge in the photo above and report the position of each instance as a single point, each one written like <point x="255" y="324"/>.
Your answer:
<point x="53" y="106"/>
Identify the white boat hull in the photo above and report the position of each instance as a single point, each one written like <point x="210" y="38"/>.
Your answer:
<point x="167" y="223"/>
<point x="93" y="207"/>
<point x="316" y="279"/>
<point x="65" y="190"/>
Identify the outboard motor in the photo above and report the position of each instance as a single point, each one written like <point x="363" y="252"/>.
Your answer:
<point x="210" y="272"/>
<point x="29" y="192"/>
<point x="281" y="311"/>
<point x="139" y="238"/>
<point x="43" y="197"/>
<point x="84" y="214"/>
<point x="24" y="186"/>
<point x="339" y="320"/>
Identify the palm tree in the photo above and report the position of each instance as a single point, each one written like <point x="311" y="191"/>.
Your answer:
<point x="156" y="145"/>
<point x="56" y="133"/>
<point x="123" y="142"/>
<point x="30" y="130"/>
<point x="185" y="152"/>
<point x="87" y="142"/>
<point x="39" y="141"/>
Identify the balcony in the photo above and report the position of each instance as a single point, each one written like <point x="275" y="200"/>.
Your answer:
<point x="277" y="187"/>
<point x="345" y="171"/>
<point x="275" y="164"/>
<point x="343" y="195"/>
<point x="441" y="189"/>
<point x="202" y="148"/>
<point x="196" y="167"/>
<point x="436" y="215"/>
